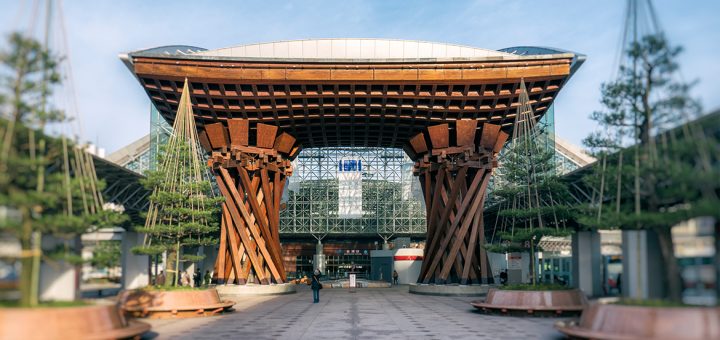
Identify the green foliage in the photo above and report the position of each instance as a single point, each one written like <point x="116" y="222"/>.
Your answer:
<point x="28" y="73"/>
<point x="46" y="304"/>
<point x="645" y="98"/>
<point x="182" y="212"/>
<point x="48" y="195"/>
<point x="106" y="254"/>
<point x="650" y="303"/>
<point x="677" y="172"/>
<point x="534" y="201"/>
<point x="671" y="173"/>
<point x="521" y="239"/>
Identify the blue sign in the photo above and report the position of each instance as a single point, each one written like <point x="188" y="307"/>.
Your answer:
<point x="350" y="165"/>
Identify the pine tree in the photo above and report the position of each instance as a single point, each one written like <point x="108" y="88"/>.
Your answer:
<point x="182" y="211"/>
<point x="648" y="177"/>
<point x="106" y="255"/>
<point x="49" y="182"/>
<point x="534" y="202"/>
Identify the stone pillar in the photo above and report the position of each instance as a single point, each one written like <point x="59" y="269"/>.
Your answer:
<point x="251" y="178"/>
<point x="587" y="262"/>
<point x="134" y="267"/>
<point x="319" y="258"/>
<point x="717" y="260"/>
<point x="454" y="176"/>
<point x="643" y="275"/>
<point x="59" y="280"/>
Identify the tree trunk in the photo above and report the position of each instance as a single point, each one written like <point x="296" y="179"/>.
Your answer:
<point x="169" y="267"/>
<point x="177" y="263"/>
<point x="672" y="269"/>
<point x="28" y="298"/>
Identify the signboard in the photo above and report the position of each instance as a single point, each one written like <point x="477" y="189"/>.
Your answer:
<point x="514" y="261"/>
<point x="353" y="281"/>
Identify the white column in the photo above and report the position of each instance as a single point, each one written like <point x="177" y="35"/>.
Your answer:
<point x="134" y="267"/>
<point x="58" y="280"/>
<point x="643" y="275"/>
<point x="586" y="262"/>
<point x="319" y="258"/>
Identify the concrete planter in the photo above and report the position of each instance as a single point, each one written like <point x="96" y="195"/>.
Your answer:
<point x="448" y="290"/>
<point x="530" y="301"/>
<point x="233" y="291"/>
<point x="610" y="321"/>
<point x="172" y="304"/>
<point x="86" y="322"/>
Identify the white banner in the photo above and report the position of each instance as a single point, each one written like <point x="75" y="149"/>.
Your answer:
<point x="350" y="188"/>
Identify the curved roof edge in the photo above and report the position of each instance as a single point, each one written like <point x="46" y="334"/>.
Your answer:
<point x="353" y="51"/>
<point x="578" y="58"/>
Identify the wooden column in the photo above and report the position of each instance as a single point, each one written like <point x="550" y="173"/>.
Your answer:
<point x="251" y="177"/>
<point x="455" y="167"/>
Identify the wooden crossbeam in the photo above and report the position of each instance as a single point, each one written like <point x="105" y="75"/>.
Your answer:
<point x="477" y="202"/>
<point x="233" y="193"/>
<point x="454" y="176"/>
<point x="226" y="187"/>
<point x="439" y="136"/>
<point x="239" y="132"/>
<point x="489" y="136"/>
<point x="446" y="240"/>
<point x="266" y="135"/>
<point x="217" y="135"/>
<point x="465" y="132"/>
<point x="284" y="143"/>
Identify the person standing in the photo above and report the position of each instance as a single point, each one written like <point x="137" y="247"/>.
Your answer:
<point x="207" y="278"/>
<point x="196" y="278"/>
<point x="315" y="285"/>
<point x="160" y="279"/>
<point x="395" y="277"/>
<point x="503" y="276"/>
<point x="184" y="279"/>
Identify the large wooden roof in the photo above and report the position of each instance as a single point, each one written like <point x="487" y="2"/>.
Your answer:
<point x="374" y="96"/>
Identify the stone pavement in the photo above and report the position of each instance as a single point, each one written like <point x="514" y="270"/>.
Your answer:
<point x="370" y="313"/>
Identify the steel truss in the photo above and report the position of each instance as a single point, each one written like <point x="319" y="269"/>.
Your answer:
<point x="391" y="197"/>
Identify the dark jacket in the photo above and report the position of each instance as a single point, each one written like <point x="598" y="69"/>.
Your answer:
<point x="315" y="282"/>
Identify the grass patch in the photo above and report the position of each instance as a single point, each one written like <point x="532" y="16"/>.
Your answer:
<point x="650" y="303"/>
<point x="171" y="288"/>
<point x="539" y="286"/>
<point x="46" y="304"/>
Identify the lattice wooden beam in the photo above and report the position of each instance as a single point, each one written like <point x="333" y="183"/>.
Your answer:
<point x="454" y="175"/>
<point x="251" y="176"/>
<point x="355" y="103"/>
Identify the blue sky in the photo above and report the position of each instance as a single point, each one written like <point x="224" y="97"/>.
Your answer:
<point x="115" y="110"/>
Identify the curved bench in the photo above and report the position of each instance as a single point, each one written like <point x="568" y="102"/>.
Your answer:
<point x="558" y="301"/>
<point x="620" y="322"/>
<point x="86" y="322"/>
<point x="173" y="304"/>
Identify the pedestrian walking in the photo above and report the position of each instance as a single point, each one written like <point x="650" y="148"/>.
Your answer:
<point x="315" y="285"/>
<point x="395" y="277"/>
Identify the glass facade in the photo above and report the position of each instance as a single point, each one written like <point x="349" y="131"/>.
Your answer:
<point x="353" y="191"/>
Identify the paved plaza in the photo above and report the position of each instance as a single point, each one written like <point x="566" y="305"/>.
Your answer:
<point x="371" y="313"/>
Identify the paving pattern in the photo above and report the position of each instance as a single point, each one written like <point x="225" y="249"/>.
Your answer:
<point x="369" y="313"/>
